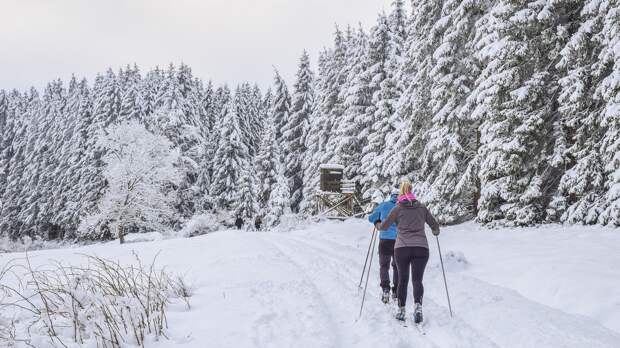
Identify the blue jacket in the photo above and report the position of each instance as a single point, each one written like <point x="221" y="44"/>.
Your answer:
<point x="381" y="213"/>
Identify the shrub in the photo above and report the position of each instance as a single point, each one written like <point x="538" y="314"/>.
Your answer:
<point x="103" y="303"/>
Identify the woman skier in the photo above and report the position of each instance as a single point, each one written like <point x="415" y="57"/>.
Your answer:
<point x="387" y="239"/>
<point x="411" y="249"/>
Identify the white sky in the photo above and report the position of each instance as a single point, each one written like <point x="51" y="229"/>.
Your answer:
<point x="226" y="41"/>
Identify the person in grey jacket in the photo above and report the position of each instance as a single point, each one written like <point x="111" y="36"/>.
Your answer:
<point x="411" y="248"/>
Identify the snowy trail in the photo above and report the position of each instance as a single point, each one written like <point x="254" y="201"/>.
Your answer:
<point x="495" y="316"/>
<point x="376" y="325"/>
<point x="299" y="289"/>
<point x="442" y="331"/>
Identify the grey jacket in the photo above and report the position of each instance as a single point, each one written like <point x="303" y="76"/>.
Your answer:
<point x="410" y="217"/>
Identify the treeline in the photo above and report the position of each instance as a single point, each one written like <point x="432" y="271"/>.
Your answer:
<point x="502" y="111"/>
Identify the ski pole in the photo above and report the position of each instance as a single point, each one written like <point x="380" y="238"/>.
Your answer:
<point x="374" y="241"/>
<point x="445" y="283"/>
<point x="374" y="231"/>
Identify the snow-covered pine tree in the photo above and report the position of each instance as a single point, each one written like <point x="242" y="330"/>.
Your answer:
<point x="242" y="103"/>
<point x="378" y="115"/>
<point x="281" y="104"/>
<point x="13" y="163"/>
<point x="140" y="169"/>
<point x="452" y="135"/>
<point x="329" y="102"/>
<point x="609" y="91"/>
<point x="257" y="116"/>
<point x="515" y="101"/>
<point x="66" y="213"/>
<point x="295" y="129"/>
<point x="229" y="161"/>
<point x="265" y="163"/>
<point x="44" y="187"/>
<point x="353" y="129"/>
<point x="245" y="204"/>
<point x="177" y="116"/>
<point x="314" y="147"/>
<point x="205" y="170"/>
<point x="149" y="90"/>
<point x="407" y="140"/>
<point x="107" y="102"/>
<point x="279" y="197"/>
<point x="130" y="84"/>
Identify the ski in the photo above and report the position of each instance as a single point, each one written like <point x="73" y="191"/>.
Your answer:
<point x="420" y="328"/>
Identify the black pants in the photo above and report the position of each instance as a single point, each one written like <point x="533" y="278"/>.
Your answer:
<point x="414" y="258"/>
<point x="386" y="255"/>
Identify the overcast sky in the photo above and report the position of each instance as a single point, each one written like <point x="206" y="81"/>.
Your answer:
<point x="223" y="40"/>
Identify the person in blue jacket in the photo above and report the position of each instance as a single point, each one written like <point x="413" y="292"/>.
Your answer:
<point x="387" y="238"/>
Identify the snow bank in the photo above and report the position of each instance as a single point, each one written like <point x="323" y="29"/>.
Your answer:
<point x="201" y="224"/>
<point x="453" y="261"/>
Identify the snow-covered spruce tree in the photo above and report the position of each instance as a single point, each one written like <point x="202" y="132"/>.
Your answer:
<point x="229" y="162"/>
<point x="514" y="100"/>
<point x="279" y="197"/>
<point x="265" y="163"/>
<point x="149" y="90"/>
<point x="4" y="102"/>
<point x="68" y="201"/>
<point x="242" y="100"/>
<point x="352" y="130"/>
<point x="141" y="169"/>
<point x="407" y="140"/>
<point x="130" y="84"/>
<point x="609" y="91"/>
<point x="579" y="132"/>
<point x="452" y="134"/>
<point x="205" y="170"/>
<point x="14" y="163"/>
<point x="177" y="116"/>
<point x="280" y="104"/>
<point x="314" y="147"/>
<point x="107" y="102"/>
<point x="322" y="141"/>
<point x="329" y="102"/>
<point x="258" y="113"/>
<point x="378" y="114"/>
<point x="245" y="204"/>
<point x="43" y="159"/>
<point x="295" y="129"/>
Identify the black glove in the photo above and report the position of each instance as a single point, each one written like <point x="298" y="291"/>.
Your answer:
<point x="377" y="224"/>
<point x="436" y="232"/>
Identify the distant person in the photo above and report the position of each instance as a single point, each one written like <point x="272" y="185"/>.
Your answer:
<point x="257" y="223"/>
<point x="411" y="249"/>
<point x="239" y="222"/>
<point x="387" y="239"/>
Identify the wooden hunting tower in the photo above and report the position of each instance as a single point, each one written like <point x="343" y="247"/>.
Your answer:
<point x="337" y="197"/>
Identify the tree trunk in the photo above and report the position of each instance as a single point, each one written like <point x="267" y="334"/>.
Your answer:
<point x="121" y="234"/>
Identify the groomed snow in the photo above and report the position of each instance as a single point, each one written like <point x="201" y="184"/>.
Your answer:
<point x="538" y="287"/>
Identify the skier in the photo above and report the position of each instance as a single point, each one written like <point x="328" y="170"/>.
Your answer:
<point x="411" y="249"/>
<point x="257" y="222"/>
<point x="239" y="222"/>
<point x="387" y="239"/>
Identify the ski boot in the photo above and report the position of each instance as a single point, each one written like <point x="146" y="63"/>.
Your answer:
<point x="400" y="315"/>
<point x="417" y="314"/>
<point x="385" y="298"/>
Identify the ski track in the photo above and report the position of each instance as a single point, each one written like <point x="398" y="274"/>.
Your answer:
<point x="496" y="316"/>
<point x="454" y="333"/>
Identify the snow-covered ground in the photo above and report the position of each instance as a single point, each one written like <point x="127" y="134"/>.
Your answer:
<point x="551" y="286"/>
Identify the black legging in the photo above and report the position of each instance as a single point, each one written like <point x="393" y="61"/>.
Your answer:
<point x="416" y="259"/>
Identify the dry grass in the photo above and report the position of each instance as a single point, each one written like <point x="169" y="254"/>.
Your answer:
<point x="103" y="302"/>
